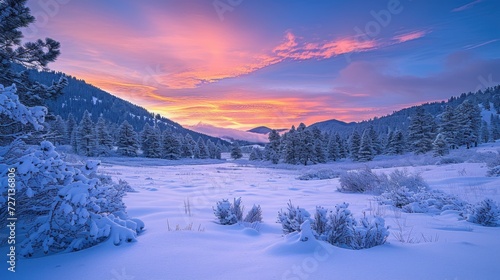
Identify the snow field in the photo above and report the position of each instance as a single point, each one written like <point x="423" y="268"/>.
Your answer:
<point x="441" y="246"/>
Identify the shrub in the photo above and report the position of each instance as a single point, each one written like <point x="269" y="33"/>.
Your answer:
<point x="485" y="213"/>
<point x="340" y="228"/>
<point x="322" y="174"/>
<point x="401" y="178"/>
<point x="228" y="213"/>
<point x="291" y="219"/>
<point x="359" y="181"/>
<point x="494" y="166"/>
<point x="254" y="215"/>
<point x="450" y="160"/>
<point x="369" y="233"/>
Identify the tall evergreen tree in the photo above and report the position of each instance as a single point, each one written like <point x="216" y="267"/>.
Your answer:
<point x="236" y="150"/>
<point x="187" y="148"/>
<point x="290" y="143"/>
<point x="86" y="139"/>
<point x="212" y="149"/>
<point x="333" y="149"/>
<point x="366" y="152"/>
<point x="255" y="154"/>
<point x="171" y="146"/>
<point x="272" y="149"/>
<point x="449" y="127"/>
<point x="203" y="150"/>
<point x="469" y="119"/>
<point x="104" y="141"/>
<point x="127" y="143"/>
<point x="319" y="152"/>
<point x="485" y="132"/>
<point x="354" y="145"/>
<point x="396" y="145"/>
<point x="439" y="146"/>
<point x="58" y="131"/>
<point x="305" y="146"/>
<point x="421" y="131"/>
<point x="70" y="125"/>
<point x="151" y="142"/>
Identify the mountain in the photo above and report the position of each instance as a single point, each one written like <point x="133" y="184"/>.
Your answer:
<point x="487" y="98"/>
<point x="229" y="133"/>
<point x="79" y="96"/>
<point x="264" y="130"/>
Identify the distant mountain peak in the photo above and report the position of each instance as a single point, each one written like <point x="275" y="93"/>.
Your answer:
<point x="264" y="130"/>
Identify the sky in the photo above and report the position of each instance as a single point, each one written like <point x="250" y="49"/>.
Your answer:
<point x="246" y="63"/>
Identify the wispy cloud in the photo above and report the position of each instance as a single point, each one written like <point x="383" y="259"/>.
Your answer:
<point x="410" y="36"/>
<point x="466" y="6"/>
<point x="470" y="47"/>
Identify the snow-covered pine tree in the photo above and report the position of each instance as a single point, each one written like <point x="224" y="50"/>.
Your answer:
<point x="86" y="138"/>
<point x="171" y="146"/>
<point x="495" y="127"/>
<point x="439" y="146"/>
<point x="366" y="152"/>
<point x="469" y="120"/>
<point x="236" y="150"/>
<point x="290" y="141"/>
<point x="343" y="147"/>
<point x="376" y="143"/>
<point x="255" y="154"/>
<point x="150" y="141"/>
<point x="354" y="145"/>
<point x="272" y="150"/>
<point x="449" y="127"/>
<point x="212" y="149"/>
<point x="104" y="141"/>
<point x="70" y="125"/>
<point x="485" y="132"/>
<point x="397" y="144"/>
<point x="333" y="149"/>
<point x="421" y="131"/>
<point x="187" y="148"/>
<point x="202" y="147"/>
<point x="127" y="140"/>
<point x="58" y="131"/>
<point x="305" y="146"/>
<point x="319" y="152"/>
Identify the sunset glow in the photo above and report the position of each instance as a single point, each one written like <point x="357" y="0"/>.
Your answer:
<point x="277" y="63"/>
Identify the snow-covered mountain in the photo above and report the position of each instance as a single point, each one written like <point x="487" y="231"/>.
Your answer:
<point x="229" y="133"/>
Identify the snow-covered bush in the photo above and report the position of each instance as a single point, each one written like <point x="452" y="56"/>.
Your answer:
<point x="450" y="160"/>
<point x="65" y="208"/>
<point x="485" y="213"/>
<point x="229" y="213"/>
<point x="254" y="215"/>
<point x="369" y="232"/>
<point x="292" y="218"/>
<point x="340" y="228"/>
<point x="402" y="179"/>
<point x="322" y="174"/>
<point x="494" y="166"/>
<point x="359" y="181"/>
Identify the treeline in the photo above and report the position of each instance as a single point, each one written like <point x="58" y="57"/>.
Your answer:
<point x="460" y="126"/>
<point x="103" y="139"/>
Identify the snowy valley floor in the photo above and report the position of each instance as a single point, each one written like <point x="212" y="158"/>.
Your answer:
<point x="449" y="248"/>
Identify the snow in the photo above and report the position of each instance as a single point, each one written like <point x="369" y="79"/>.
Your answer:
<point x="449" y="247"/>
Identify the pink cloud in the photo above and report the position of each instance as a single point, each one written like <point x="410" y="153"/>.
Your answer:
<point x="410" y="36"/>
<point x="466" y="6"/>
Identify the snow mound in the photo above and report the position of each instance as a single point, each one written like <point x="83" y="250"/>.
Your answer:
<point x="302" y="242"/>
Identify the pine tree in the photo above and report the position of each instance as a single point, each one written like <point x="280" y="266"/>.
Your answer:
<point x="376" y="144"/>
<point x="86" y="139"/>
<point x="366" y="152"/>
<point x="319" y="152"/>
<point x="469" y="120"/>
<point x="495" y="127"/>
<point x="305" y="146"/>
<point x="127" y="140"/>
<point x="354" y="145"/>
<point x="187" y="148"/>
<point x="290" y="142"/>
<point x="104" y="144"/>
<point x="255" y="154"/>
<point x="449" y="127"/>
<point x="272" y="149"/>
<point x="440" y="146"/>
<point x="150" y="142"/>
<point x="421" y="131"/>
<point x="212" y="149"/>
<point x="485" y="132"/>
<point x="171" y="146"/>
<point x="396" y="145"/>
<point x="333" y="149"/>
<point x="236" y="151"/>
<point x="70" y="125"/>
<point x="203" y="150"/>
<point x="58" y="130"/>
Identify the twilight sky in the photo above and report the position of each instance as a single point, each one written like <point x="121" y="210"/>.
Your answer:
<point x="245" y="63"/>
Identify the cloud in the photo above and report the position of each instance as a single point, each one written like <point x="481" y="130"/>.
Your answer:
<point x="466" y="6"/>
<point x="470" y="47"/>
<point x="410" y="36"/>
<point x="228" y="133"/>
